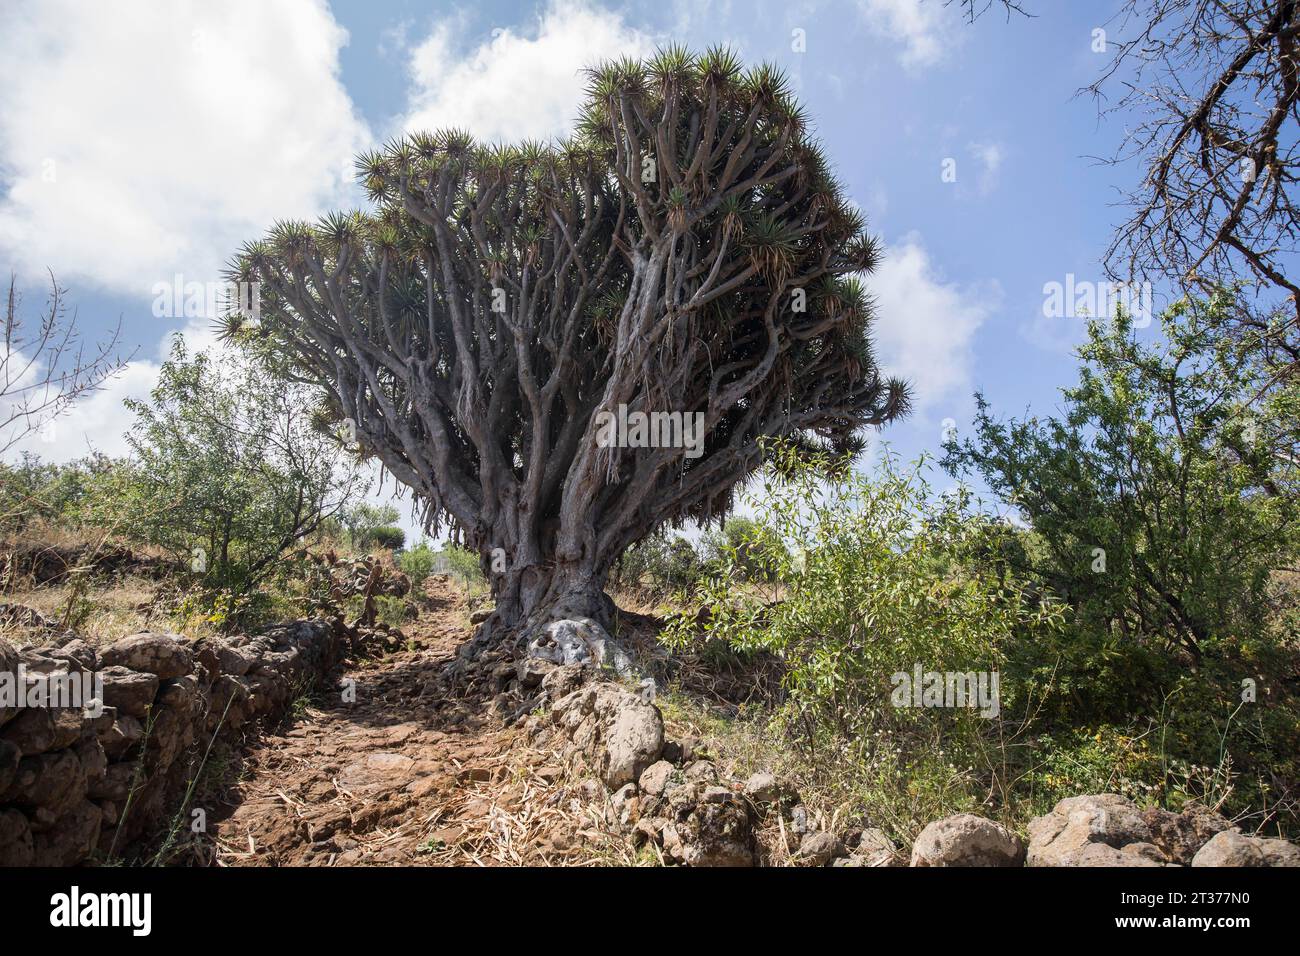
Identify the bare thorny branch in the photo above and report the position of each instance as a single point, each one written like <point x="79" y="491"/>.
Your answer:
<point x="1210" y="87"/>
<point x="46" y="368"/>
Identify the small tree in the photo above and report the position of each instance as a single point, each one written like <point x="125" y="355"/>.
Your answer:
<point x="417" y="564"/>
<point x="1164" y="497"/>
<point x="362" y="520"/>
<point x="688" y="255"/>
<point x="749" y="546"/>
<point x="228" y="470"/>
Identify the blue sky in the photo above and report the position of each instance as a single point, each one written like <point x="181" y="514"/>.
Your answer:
<point x="140" y="141"/>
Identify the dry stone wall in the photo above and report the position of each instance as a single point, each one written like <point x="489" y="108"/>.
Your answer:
<point x="80" y="783"/>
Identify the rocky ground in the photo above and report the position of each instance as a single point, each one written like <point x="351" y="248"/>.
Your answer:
<point x="316" y="743"/>
<point x="400" y="773"/>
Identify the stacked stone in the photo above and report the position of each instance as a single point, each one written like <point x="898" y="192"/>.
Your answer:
<point x="75" y="786"/>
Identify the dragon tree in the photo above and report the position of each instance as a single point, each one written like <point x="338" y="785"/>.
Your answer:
<point x="688" y="250"/>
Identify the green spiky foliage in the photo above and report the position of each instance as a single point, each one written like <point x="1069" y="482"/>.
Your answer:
<point x="687" y="250"/>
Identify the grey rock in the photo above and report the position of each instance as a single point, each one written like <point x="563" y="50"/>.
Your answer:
<point x="716" y="831"/>
<point x="967" y="840"/>
<point x="164" y="655"/>
<point x="1093" y="830"/>
<point x="130" y="691"/>
<point x="622" y="734"/>
<point x="1232" y="848"/>
<point x="654" y="780"/>
<point x="819" y="848"/>
<point x="125" y="732"/>
<point x="579" y="641"/>
<point x="763" y="788"/>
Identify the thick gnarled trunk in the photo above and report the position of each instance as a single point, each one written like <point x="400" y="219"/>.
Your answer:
<point x="529" y="599"/>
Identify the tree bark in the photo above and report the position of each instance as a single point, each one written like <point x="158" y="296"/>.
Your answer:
<point x="527" y="599"/>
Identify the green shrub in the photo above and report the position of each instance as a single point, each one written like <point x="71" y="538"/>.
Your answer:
<point x="417" y="563"/>
<point x="389" y="537"/>
<point x="891" y="577"/>
<point x="659" y="565"/>
<point x="747" y="546"/>
<point x="459" y="562"/>
<point x="364" y="522"/>
<point x="228" y="472"/>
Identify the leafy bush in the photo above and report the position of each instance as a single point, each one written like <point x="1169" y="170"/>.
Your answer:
<point x="1158" y="500"/>
<point x="748" y="546"/>
<point x="228" y="472"/>
<point x="32" y="490"/>
<point x="1163" y="513"/>
<point x="659" y="565"/>
<point x="389" y="537"/>
<point x="460" y="562"/>
<point x="417" y="564"/>
<point x="891" y="577"/>
<point x="364" y="522"/>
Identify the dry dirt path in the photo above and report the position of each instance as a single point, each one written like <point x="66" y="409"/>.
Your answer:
<point x="406" y="774"/>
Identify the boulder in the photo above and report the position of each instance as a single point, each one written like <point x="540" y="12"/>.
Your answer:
<point x="819" y="848"/>
<point x="49" y="780"/>
<point x="700" y="771"/>
<point x="124" y="733"/>
<point x="94" y="762"/>
<point x="709" y="827"/>
<point x="15" y="840"/>
<point x="1090" y="830"/>
<point x="1233" y="848"/>
<point x="655" y="779"/>
<point x="69" y="727"/>
<point x="967" y="840"/>
<point x="1109" y="830"/>
<point x="178" y="693"/>
<point x="763" y="788"/>
<point x="78" y="651"/>
<point x="1180" y="835"/>
<point x="163" y="655"/>
<point x="131" y="692"/>
<point x="619" y="732"/>
<point x="532" y="671"/>
<point x="564" y="680"/>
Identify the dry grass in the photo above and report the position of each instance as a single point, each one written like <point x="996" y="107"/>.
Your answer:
<point x="100" y="613"/>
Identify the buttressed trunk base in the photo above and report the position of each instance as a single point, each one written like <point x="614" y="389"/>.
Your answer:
<point x="531" y="599"/>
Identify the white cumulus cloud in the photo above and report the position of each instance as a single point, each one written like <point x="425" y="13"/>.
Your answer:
<point x="925" y="31"/>
<point x="925" y="327"/>
<point x="519" y="84"/>
<point x="138" y="140"/>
